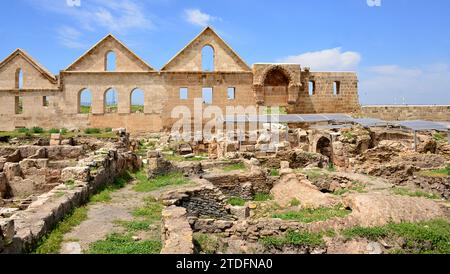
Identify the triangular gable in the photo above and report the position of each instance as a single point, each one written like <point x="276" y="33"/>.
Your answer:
<point x="19" y="52"/>
<point x="178" y="61"/>
<point x="110" y="38"/>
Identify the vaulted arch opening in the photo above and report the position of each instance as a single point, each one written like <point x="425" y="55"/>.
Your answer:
<point x="85" y="101"/>
<point x="137" y="101"/>
<point x="111" y="101"/>
<point x="110" y="61"/>
<point x="276" y="84"/>
<point x="208" y="58"/>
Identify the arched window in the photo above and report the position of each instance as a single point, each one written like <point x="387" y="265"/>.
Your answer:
<point x="110" y="64"/>
<point x="19" y="78"/>
<point x="137" y="101"/>
<point x="110" y="101"/>
<point x="85" y="101"/>
<point x="208" y="58"/>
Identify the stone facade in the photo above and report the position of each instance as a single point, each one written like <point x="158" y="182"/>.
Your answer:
<point x="49" y="101"/>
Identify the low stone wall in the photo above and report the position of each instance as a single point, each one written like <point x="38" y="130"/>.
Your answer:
<point x="177" y="234"/>
<point x="297" y="159"/>
<point x="241" y="184"/>
<point x="99" y="169"/>
<point x="399" y="112"/>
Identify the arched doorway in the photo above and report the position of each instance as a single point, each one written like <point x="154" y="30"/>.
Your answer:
<point x="324" y="147"/>
<point x="276" y="87"/>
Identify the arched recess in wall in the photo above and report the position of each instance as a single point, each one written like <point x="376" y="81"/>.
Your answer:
<point x="85" y="101"/>
<point x="276" y="84"/>
<point x="19" y="79"/>
<point x="110" y="101"/>
<point x="324" y="147"/>
<point x="110" y="61"/>
<point x="137" y="100"/>
<point x="208" y="58"/>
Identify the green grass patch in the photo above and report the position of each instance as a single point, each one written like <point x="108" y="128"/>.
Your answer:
<point x="294" y="202"/>
<point x="331" y="167"/>
<point x="439" y="137"/>
<point x="234" y="167"/>
<point x="370" y="233"/>
<point x="432" y="237"/>
<point x="104" y="195"/>
<point x="236" y="201"/>
<point x="262" y="197"/>
<point x="349" y="136"/>
<point x="274" y="172"/>
<point x="355" y="187"/>
<point x="171" y="179"/>
<point x="417" y="193"/>
<point x="70" y="184"/>
<point x="54" y="131"/>
<point x="280" y="110"/>
<point x="149" y="214"/>
<point x="92" y="131"/>
<point x="135" y="226"/>
<point x="314" y="174"/>
<point x="51" y="244"/>
<point x="293" y="238"/>
<point x="436" y="173"/>
<point x="85" y="109"/>
<point x="124" y="244"/>
<point x="313" y="215"/>
<point x="37" y="130"/>
<point x="137" y="108"/>
<point x="207" y="244"/>
<point x="151" y="211"/>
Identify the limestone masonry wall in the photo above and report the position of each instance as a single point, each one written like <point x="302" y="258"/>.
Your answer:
<point x="32" y="96"/>
<point x="398" y="113"/>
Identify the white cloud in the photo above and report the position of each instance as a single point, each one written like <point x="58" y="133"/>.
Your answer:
<point x="328" y="59"/>
<point x="118" y="16"/>
<point x="197" y="17"/>
<point x="392" y="84"/>
<point x="70" y="37"/>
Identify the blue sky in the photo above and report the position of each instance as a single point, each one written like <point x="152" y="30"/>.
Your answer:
<point x="401" y="49"/>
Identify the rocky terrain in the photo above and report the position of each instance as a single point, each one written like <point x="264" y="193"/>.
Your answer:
<point x="349" y="190"/>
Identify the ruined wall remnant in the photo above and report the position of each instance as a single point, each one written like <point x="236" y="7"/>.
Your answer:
<point x="400" y="113"/>
<point x="178" y="236"/>
<point x="74" y="185"/>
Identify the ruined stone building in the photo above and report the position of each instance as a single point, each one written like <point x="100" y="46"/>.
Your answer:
<point x="32" y="96"/>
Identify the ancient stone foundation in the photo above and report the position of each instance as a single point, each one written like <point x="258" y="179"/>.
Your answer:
<point x="21" y="231"/>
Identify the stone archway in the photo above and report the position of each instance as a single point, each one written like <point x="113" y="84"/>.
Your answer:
<point x="324" y="147"/>
<point x="276" y="86"/>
